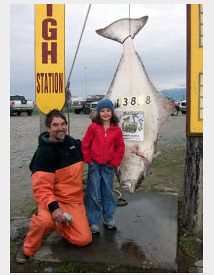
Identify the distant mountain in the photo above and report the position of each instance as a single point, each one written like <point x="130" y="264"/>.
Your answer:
<point x="177" y="94"/>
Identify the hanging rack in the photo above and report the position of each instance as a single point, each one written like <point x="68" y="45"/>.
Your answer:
<point x="72" y="66"/>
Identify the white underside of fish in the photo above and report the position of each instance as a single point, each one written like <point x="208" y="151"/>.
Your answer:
<point x="131" y="80"/>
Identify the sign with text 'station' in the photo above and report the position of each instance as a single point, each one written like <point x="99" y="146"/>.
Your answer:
<point x="49" y="56"/>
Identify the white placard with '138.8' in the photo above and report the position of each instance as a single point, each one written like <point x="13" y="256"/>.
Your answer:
<point x="134" y="100"/>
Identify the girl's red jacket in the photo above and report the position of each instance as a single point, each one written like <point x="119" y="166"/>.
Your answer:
<point x="103" y="146"/>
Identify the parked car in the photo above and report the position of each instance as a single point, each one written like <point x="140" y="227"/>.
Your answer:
<point x="93" y="105"/>
<point x="182" y="105"/>
<point x="18" y="105"/>
<point x="83" y="106"/>
<point x="77" y="106"/>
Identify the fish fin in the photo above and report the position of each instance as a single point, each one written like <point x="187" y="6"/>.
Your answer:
<point x="165" y="106"/>
<point x="121" y="29"/>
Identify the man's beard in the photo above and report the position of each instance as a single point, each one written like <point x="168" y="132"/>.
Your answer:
<point x="60" y="135"/>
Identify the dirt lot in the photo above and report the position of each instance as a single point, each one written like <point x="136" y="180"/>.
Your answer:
<point x="167" y="172"/>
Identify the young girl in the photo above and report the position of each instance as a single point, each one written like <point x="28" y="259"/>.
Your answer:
<point x="103" y="149"/>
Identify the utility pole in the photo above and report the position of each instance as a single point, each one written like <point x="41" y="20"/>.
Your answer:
<point x="193" y="184"/>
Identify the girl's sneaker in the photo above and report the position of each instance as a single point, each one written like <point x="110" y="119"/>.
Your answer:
<point x="95" y="229"/>
<point x="110" y="225"/>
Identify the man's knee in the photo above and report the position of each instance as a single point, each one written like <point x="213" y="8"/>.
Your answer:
<point x="82" y="240"/>
<point x="85" y="240"/>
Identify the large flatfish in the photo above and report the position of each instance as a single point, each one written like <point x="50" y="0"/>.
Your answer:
<point x="141" y="107"/>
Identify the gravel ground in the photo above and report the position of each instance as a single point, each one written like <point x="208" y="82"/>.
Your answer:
<point x="167" y="172"/>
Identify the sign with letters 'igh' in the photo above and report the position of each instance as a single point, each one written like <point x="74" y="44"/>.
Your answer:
<point x="49" y="56"/>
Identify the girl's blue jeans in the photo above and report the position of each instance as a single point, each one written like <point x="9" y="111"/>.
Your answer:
<point x="99" y="193"/>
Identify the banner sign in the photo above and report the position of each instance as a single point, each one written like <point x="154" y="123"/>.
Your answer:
<point x="132" y="124"/>
<point x="49" y="56"/>
<point x="195" y="69"/>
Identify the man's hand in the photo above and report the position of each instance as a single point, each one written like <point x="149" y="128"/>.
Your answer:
<point x="58" y="216"/>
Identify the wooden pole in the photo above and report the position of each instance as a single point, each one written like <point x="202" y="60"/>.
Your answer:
<point x="193" y="186"/>
<point x="42" y="123"/>
<point x="193" y="182"/>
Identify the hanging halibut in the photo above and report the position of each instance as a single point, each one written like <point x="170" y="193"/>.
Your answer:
<point x="141" y="108"/>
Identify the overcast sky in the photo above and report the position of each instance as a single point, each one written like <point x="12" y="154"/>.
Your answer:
<point x="161" y="45"/>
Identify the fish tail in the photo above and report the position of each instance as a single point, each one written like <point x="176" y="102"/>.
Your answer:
<point x="121" y="29"/>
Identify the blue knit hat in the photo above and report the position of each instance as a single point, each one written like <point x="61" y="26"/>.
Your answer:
<point x="105" y="103"/>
